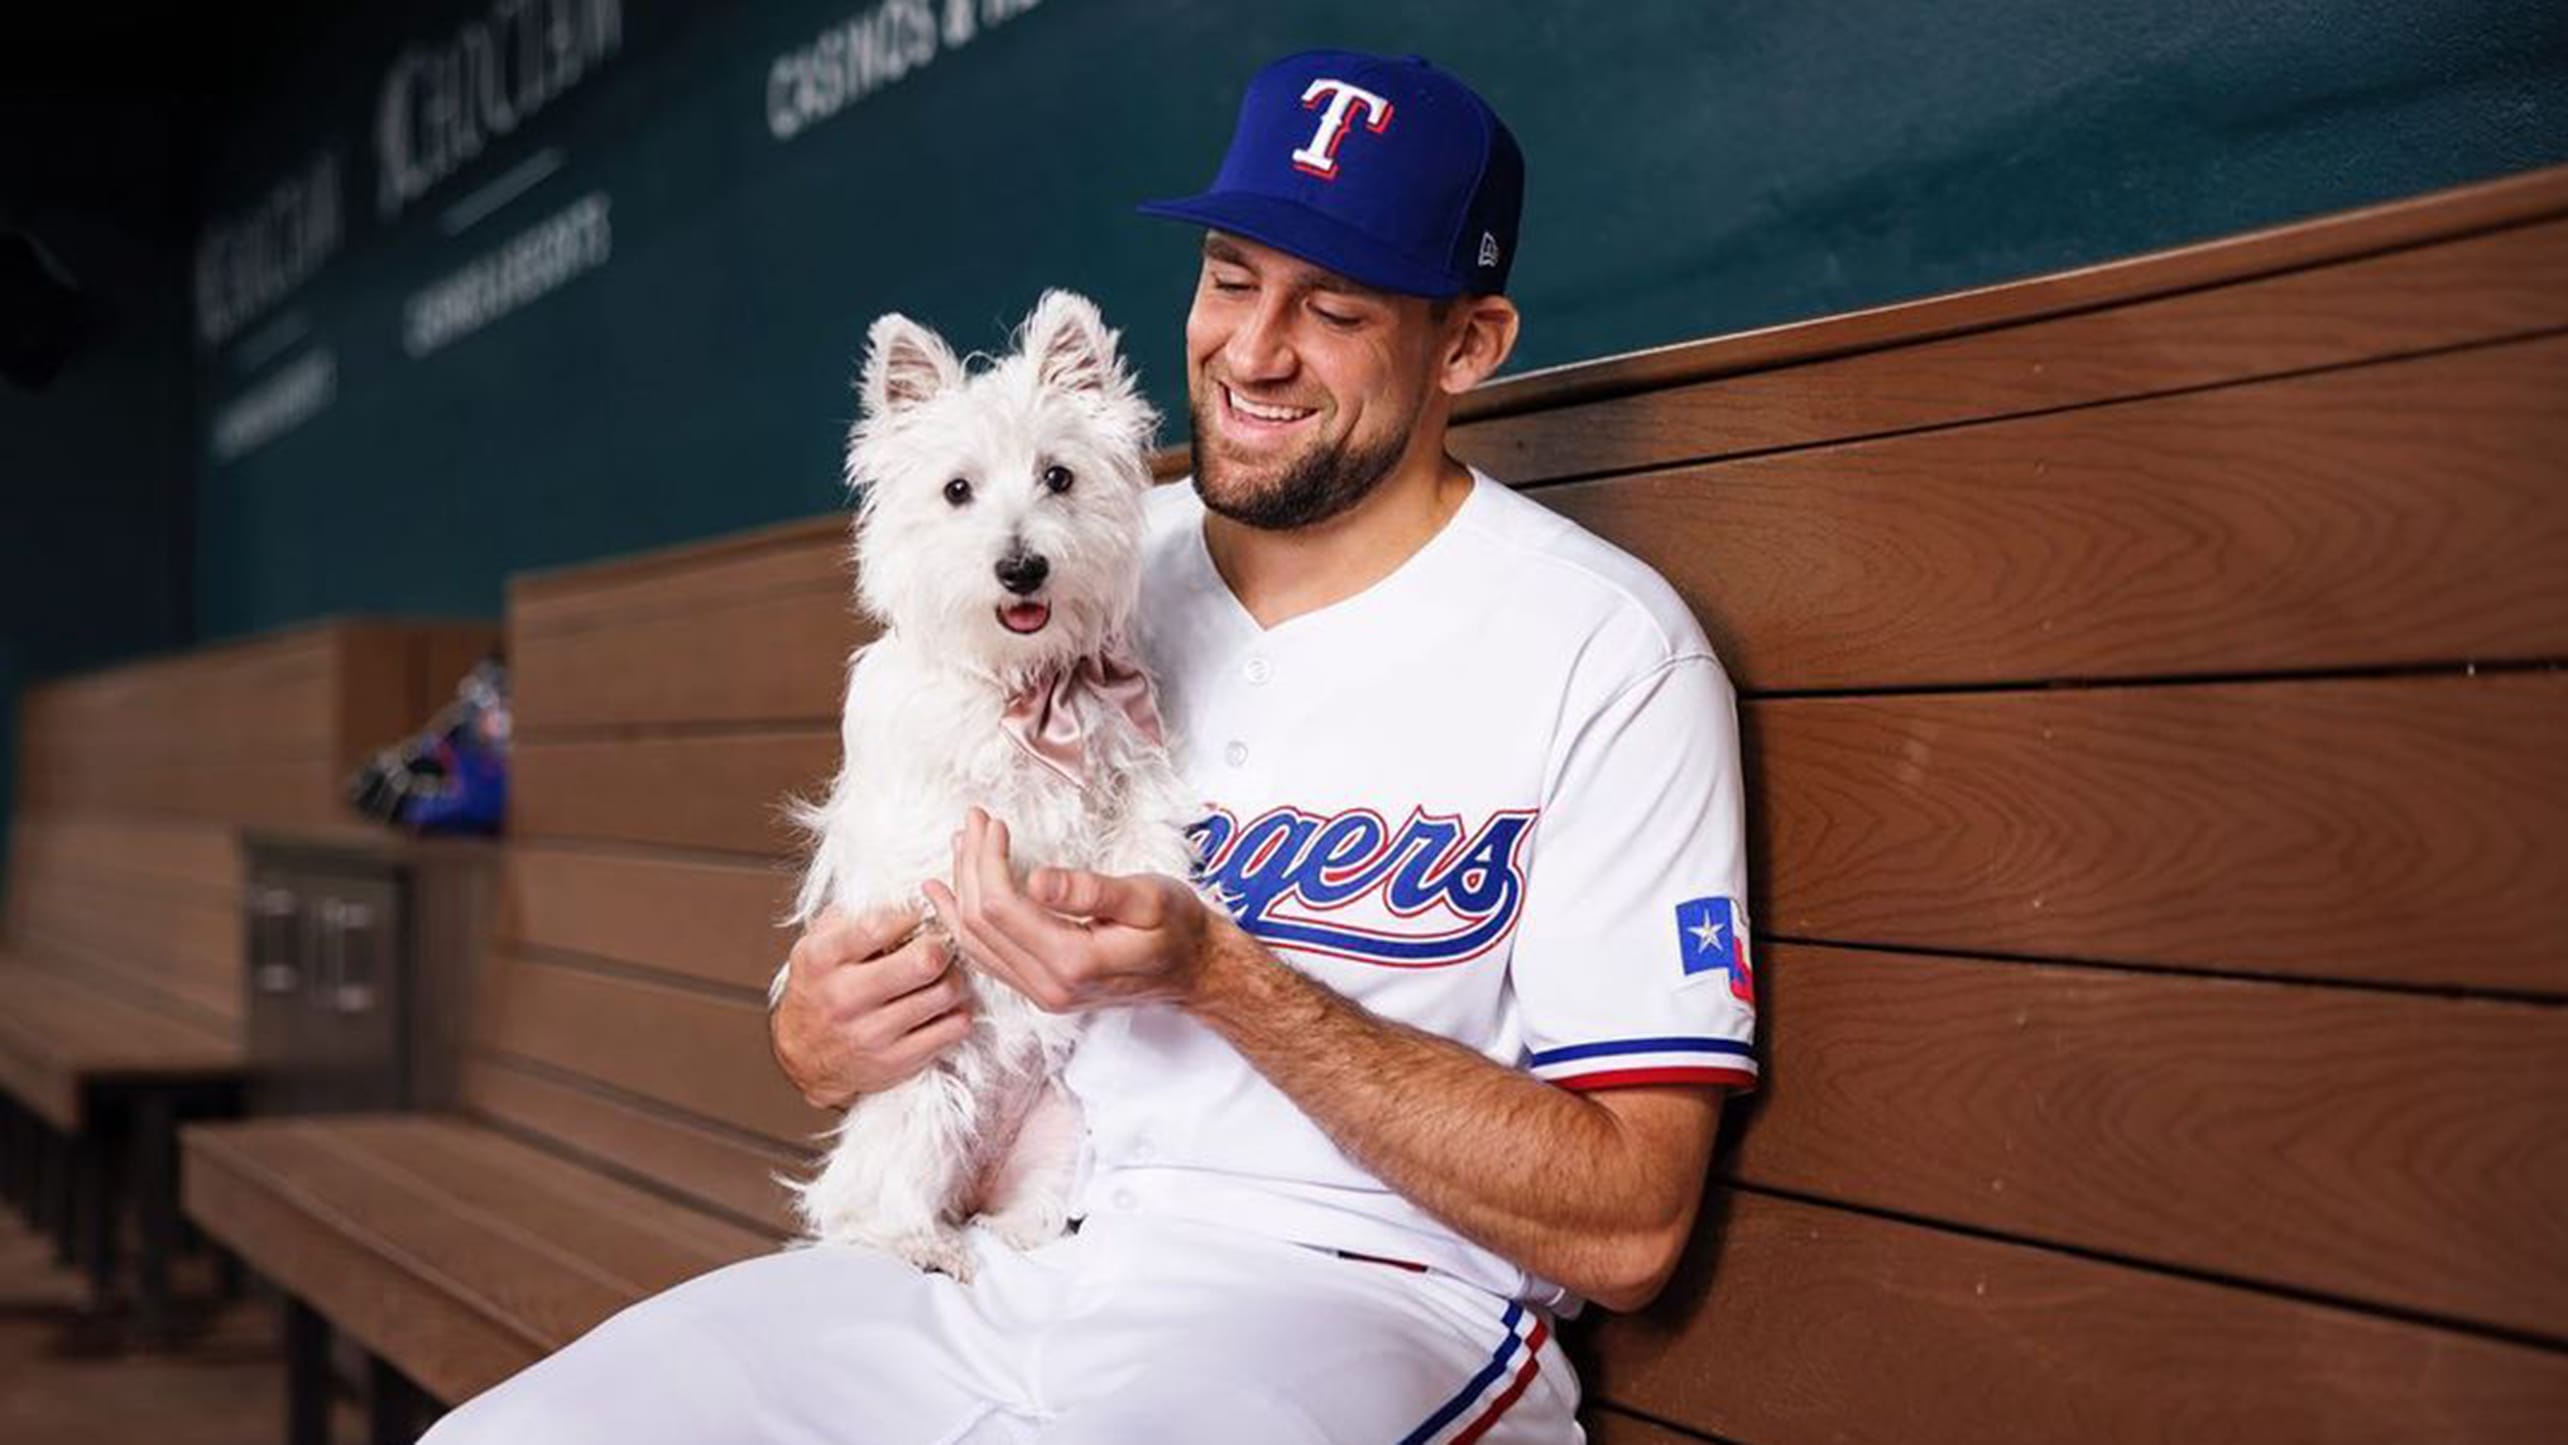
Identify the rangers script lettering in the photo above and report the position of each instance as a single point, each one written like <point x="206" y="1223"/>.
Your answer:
<point x="1463" y="896"/>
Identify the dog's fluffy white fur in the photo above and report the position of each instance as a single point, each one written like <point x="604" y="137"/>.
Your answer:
<point x="986" y="1131"/>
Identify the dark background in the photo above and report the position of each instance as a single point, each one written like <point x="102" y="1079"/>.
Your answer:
<point x="1694" y="168"/>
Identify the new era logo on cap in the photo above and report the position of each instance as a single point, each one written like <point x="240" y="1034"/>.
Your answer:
<point x="1389" y="172"/>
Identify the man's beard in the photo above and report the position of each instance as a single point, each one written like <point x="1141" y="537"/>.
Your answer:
<point x="1317" y="486"/>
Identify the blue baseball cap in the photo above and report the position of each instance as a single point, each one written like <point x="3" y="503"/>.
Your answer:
<point x="1389" y="172"/>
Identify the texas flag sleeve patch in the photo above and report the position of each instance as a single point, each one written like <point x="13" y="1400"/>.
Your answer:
<point x="1709" y="940"/>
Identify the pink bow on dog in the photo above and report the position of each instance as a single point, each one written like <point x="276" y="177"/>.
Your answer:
<point x="1044" y="719"/>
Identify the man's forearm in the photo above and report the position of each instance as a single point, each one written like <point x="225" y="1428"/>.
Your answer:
<point x="1553" y="1180"/>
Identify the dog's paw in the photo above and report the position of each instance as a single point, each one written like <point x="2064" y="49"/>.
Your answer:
<point x="937" y="1251"/>
<point x="1023" y="1228"/>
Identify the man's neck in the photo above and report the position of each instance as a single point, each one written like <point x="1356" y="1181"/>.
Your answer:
<point x="1278" y="576"/>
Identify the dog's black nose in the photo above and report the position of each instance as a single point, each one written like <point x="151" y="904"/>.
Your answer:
<point x="1022" y="572"/>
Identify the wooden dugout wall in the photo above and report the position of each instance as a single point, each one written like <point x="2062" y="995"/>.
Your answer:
<point x="135" y="781"/>
<point x="2158" y="799"/>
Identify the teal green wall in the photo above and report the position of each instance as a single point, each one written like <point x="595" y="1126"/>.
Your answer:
<point x="1694" y="168"/>
<point x="95" y="470"/>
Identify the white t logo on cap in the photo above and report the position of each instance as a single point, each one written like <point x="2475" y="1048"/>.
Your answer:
<point x="1319" y="158"/>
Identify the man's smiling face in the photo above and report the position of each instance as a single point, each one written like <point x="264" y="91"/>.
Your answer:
<point x="1305" y="387"/>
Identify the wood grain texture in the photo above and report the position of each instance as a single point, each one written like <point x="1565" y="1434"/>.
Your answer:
<point x="536" y="1250"/>
<point x="2432" y="220"/>
<point x="2280" y="526"/>
<point x="773" y="657"/>
<point x="1609" y="1426"/>
<point x="182" y="946"/>
<point x="713" y="921"/>
<point x="260" y="730"/>
<point x="270" y="791"/>
<point x="1800" y="1324"/>
<point x="2396" y="830"/>
<point x="699" y="1052"/>
<point x="805" y="555"/>
<point x="439" y="1337"/>
<point x="721" y="791"/>
<point x="60" y="1033"/>
<point x="177" y="855"/>
<point x="625" y="1237"/>
<point x="2403" y="1150"/>
<point x="731" y="1172"/>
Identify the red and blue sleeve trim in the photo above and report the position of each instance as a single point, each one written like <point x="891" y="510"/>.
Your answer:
<point x="1666" y="1059"/>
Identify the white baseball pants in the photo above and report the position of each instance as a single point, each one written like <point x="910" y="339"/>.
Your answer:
<point x="1131" y="1332"/>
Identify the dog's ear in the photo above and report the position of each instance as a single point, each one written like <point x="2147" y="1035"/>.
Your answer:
<point x="905" y="364"/>
<point x="1071" y="347"/>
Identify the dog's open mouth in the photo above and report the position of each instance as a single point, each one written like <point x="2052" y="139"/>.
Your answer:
<point x="1025" y="617"/>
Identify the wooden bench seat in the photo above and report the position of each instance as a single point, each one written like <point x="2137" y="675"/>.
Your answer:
<point x="2160" y="850"/>
<point x="62" y="1040"/>
<point x="460" y="1252"/>
<point x="121" y="977"/>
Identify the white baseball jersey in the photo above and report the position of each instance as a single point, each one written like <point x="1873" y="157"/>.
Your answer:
<point x="1496" y="796"/>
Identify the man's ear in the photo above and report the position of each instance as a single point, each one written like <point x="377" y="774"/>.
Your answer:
<point x="905" y="364"/>
<point x="1478" y="337"/>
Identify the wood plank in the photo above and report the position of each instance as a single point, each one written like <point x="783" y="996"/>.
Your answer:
<point x="775" y="657"/>
<point x="263" y="729"/>
<point x="693" y="1050"/>
<point x="539" y="1288"/>
<point x="192" y="996"/>
<point x="2410" y="222"/>
<point x="714" y="921"/>
<point x="1609" y="1426"/>
<point x="272" y="791"/>
<point x="1800" y="1323"/>
<point x="267" y="694"/>
<point x="58" y="1035"/>
<point x="179" y="945"/>
<point x="727" y="1171"/>
<point x="35" y="1078"/>
<point x="202" y="859"/>
<point x="2400" y="1150"/>
<point x="640" y="1242"/>
<point x="2269" y="527"/>
<point x="98" y="1032"/>
<point x="378" y="698"/>
<point x="452" y="1349"/>
<point x="723" y="791"/>
<point x="805" y="555"/>
<point x="2397" y="830"/>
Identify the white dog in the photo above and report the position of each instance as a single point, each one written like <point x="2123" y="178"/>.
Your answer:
<point x="998" y="543"/>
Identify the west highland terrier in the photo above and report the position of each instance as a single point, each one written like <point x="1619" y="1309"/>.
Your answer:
<point x="998" y="543"/>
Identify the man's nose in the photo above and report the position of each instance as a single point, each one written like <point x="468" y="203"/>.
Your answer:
<point x="1022" y="572"/>
<point x="1259" y="348"/>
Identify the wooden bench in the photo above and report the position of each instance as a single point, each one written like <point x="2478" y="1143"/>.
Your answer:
<point x="622" y="1120"/>
<point x="121" y="987"/>
<point x="2158" y="814"/>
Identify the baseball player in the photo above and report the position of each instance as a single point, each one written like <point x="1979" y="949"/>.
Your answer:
<point x="1448" y="1060"/>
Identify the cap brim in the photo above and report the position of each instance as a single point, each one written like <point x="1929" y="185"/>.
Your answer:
<point x="1297" y="230"/>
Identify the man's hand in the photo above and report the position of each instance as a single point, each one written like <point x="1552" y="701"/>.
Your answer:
<point x="1068" y="940"/>
<point x="863" y="1010"/>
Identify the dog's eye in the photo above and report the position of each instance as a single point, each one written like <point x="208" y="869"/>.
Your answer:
<point x="958" y="491"/>
<point x="1056" y="480"/>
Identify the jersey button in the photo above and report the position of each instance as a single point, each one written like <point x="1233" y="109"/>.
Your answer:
<point x="1236" y="754"/>
<point x="1259" y="670"/>
<point x="1124" y="1200"/>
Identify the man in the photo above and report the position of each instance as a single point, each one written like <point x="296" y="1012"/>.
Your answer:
<point x="1453" y="1058"/>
